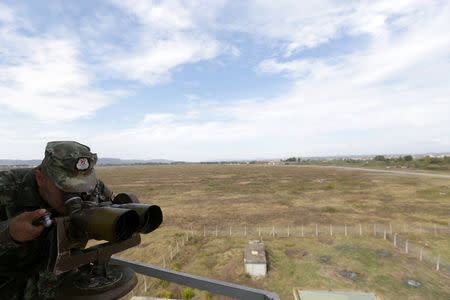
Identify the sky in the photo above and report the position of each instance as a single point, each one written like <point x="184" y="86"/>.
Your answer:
<point x="221" y="80"/>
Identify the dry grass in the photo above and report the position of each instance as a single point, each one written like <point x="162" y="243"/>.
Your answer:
<point x="194" y="195"/>
<point x="252" y="195"/>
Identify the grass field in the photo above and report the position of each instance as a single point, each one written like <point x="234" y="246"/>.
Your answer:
<point x="251" y="195"/>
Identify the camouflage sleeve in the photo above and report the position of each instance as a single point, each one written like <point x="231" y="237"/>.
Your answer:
<point x="7" y="193"/>
<point x="6" y="241"/>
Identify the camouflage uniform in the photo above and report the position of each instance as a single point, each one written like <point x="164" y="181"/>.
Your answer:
<point x="22" y="265"/>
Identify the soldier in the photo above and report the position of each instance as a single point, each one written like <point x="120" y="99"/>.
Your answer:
<point x="27" y="194"/>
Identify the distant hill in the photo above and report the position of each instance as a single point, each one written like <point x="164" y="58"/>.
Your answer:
<point x="118" y="161"/>
<point x="101" y="161"/>
<point x="17" y="162"/>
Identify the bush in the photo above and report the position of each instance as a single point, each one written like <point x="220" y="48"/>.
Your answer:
<point x="165" y="294"/>
<point x="187" y="293"/>
<point x="408" y="158"/>
<point x="162" y="282"/>
<point x="330" y="209"/>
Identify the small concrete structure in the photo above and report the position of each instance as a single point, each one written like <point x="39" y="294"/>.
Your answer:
<point x="255" y="258"/>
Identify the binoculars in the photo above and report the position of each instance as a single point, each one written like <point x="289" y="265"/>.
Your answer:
<point x="92" y="218"/>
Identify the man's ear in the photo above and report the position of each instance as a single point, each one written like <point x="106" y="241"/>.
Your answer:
<point x="39" y="178"/>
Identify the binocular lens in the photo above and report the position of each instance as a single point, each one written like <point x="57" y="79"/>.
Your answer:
<point x="126" y="225"/>
<point x="152" y="219"/>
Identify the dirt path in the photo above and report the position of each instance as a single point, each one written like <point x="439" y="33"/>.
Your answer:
<point x="381" y="171"/>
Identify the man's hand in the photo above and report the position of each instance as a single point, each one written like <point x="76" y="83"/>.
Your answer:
<point x="21" y="228"/>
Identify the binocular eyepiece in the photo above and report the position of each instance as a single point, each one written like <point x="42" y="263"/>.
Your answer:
<point x="118" y="221"/>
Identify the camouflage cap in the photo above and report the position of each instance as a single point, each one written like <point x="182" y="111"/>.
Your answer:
<point x="70" y="165"/>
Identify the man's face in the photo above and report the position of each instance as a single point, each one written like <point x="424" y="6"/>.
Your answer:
<point x="50" y="193"/>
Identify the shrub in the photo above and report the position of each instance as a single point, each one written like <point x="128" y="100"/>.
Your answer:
<point x="330" y="209"/>
<point x="187" y="293"/>
<point x="165" y="294"/>
<point x="408" y="158"/>
<point x="162" y="282"/>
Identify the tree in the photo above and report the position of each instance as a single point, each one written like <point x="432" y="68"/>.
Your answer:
<point x="380" y="158"/>
<point x="408" y="158"/>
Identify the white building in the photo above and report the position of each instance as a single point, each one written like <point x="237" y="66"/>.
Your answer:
<point x="255" y="258"/>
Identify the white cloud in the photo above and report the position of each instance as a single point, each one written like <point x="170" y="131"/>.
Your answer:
<point x="305" y="24"/>
<point x="152" y="63"/>
<point x="192" y="97"/>
<point x="172" y="15"/>
<point x="389" y="93"/>
<point x="171" y="34"/>
<point x="158" y="118"/>
<point x="6" y="14"/>
<point x="390" y="96"/>
<point x="43" y="76"/>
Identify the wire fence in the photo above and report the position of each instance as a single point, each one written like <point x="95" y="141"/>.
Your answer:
<point x="421" y="253"/>
<point x="311" y="230"/>
<point x="395" y="233"/>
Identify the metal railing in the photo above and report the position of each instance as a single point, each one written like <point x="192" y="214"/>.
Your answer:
<point x="198" y="282"/>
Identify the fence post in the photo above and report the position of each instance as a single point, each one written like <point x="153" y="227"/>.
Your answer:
<point x="302" y="230"/>
<point x="360" y="229"/>
<point x="384" y="234"/>
<point x="164" y="262"/>
<point x="204" y="231"/>
<point x="420" y="254"/>
<point x="177" y="246"/>
<point x="187" y="237"/>
<point x="345" y="227"/>
<point x="288" y="231"/>
<point x="317" y="231"/>
<point x="217" y="233"/>
<point x="331" y="230"/>
<point x="273" y="231"/>
<point x="437" y="263"/>
<point x="192" y="232"/>
<point x="390" y="228"/>
<point x="406" y="246"/>
<point x="259" y="230"/>
<point x="230" y="230"/>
